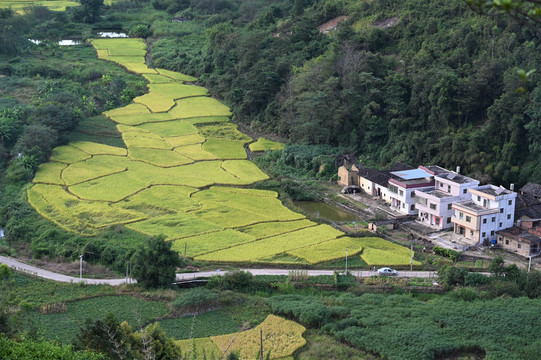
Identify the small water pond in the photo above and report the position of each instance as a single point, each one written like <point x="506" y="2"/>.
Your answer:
<point x="323" y="211"/>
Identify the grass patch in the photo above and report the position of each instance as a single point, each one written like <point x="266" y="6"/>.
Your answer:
<point x="263" y="144"/>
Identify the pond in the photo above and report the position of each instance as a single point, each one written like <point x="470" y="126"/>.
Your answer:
<point x="323" y="211"/>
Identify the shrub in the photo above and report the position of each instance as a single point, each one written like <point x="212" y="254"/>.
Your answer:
<point x="475" y="279"/>
<point x="451" y="254"/>
<point x="465" y="294"/>
<point x="5" y="272"/>
<point x="195" y="298"/>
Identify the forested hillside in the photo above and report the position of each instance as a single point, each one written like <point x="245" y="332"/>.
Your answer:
<point x="415" y="81"/>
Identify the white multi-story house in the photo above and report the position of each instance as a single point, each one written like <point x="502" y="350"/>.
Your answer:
<point x="490" y="209"/>
<point x="403" y="186"/>
<point x="435" y="205"/>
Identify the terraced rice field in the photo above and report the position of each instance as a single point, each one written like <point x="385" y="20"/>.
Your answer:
<point x="19" y="5"/>
<point x="280" y="340"/>
<point x="181" y="174"/>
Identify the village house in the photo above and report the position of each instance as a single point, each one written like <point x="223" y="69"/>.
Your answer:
<point x="373" y="182"/>
<point x="435" y="205"/>
<point x="532" y="190"/>
<point x="403" y="186"/>
<point x="524" y="239"/>
<point x="490" y="209"/>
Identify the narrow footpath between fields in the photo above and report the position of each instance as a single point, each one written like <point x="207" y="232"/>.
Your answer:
<point x="32" y="270"/>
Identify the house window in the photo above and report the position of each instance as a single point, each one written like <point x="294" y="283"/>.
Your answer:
<point x="494" y="219"/>
<point x="403" y="205"/>
<point x="471" y="232"/>
<point x="508" y="216"/>
<point x="369" y="188"/>
<point x="506" y="242"/>
<point x="441" y="184"/>
<point x="400" y="192"/>
<point x="460" y="215"/>
<point x="478" y="198"/>
<point x="437" y="221"/>
<point x="449" y="207"/>
<point x="510" y="202"/>
<point x="501" y="225"/>
<point x="484" y="220"/>
<point x="433" y="206"/>
<point x="501" y="210"/>
<point x="448" y="220"/>
<point x="412" y="207"/>
<point x="484" y="202"/>
<point x="448" y="188"/>
<point x="393" y="189"/>
<point x="464" y="191"/>
<point x="492" y="233"/>
<point x="412" y="194"/>
<point x="519" y="246"/>
<point x="468" y="218"/>
<point x="483" y="234"/>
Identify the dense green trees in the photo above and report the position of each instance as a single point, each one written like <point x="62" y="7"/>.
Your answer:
<point x="440" y="86"/>
<point x="155" y="264"/>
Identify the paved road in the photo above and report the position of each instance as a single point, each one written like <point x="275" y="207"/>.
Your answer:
<point x="29" y="269"/>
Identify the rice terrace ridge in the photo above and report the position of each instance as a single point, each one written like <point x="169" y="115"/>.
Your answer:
<point x="181" y="175"/>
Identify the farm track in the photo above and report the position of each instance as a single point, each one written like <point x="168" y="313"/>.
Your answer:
<point x="32" y="270"/>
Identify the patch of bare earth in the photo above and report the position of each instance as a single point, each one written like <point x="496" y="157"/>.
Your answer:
<point x="332" y="24"/>
<point x="386" y="23"/>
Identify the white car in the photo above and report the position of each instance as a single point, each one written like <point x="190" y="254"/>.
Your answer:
<point x="387" y="271"/>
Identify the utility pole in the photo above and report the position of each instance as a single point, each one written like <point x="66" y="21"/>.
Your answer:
<point x="80" y="267"/>
<point x="346" y="262"/>
<point x="411" y="259"/>
<point x="529" y="263"/>
<point x="261" y="343"/>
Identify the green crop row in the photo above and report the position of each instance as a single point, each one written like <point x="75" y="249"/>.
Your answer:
<point x="274" y="245"/>
<point x="329" y="250"/>
<point x="380" y="252"/>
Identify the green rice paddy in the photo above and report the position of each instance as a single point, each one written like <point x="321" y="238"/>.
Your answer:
<point x="180" y="174"/>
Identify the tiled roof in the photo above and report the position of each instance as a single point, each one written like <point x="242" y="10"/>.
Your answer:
<point x="531" y="188"/>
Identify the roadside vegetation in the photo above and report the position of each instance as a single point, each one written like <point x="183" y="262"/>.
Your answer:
<point x="379" y="317"/>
